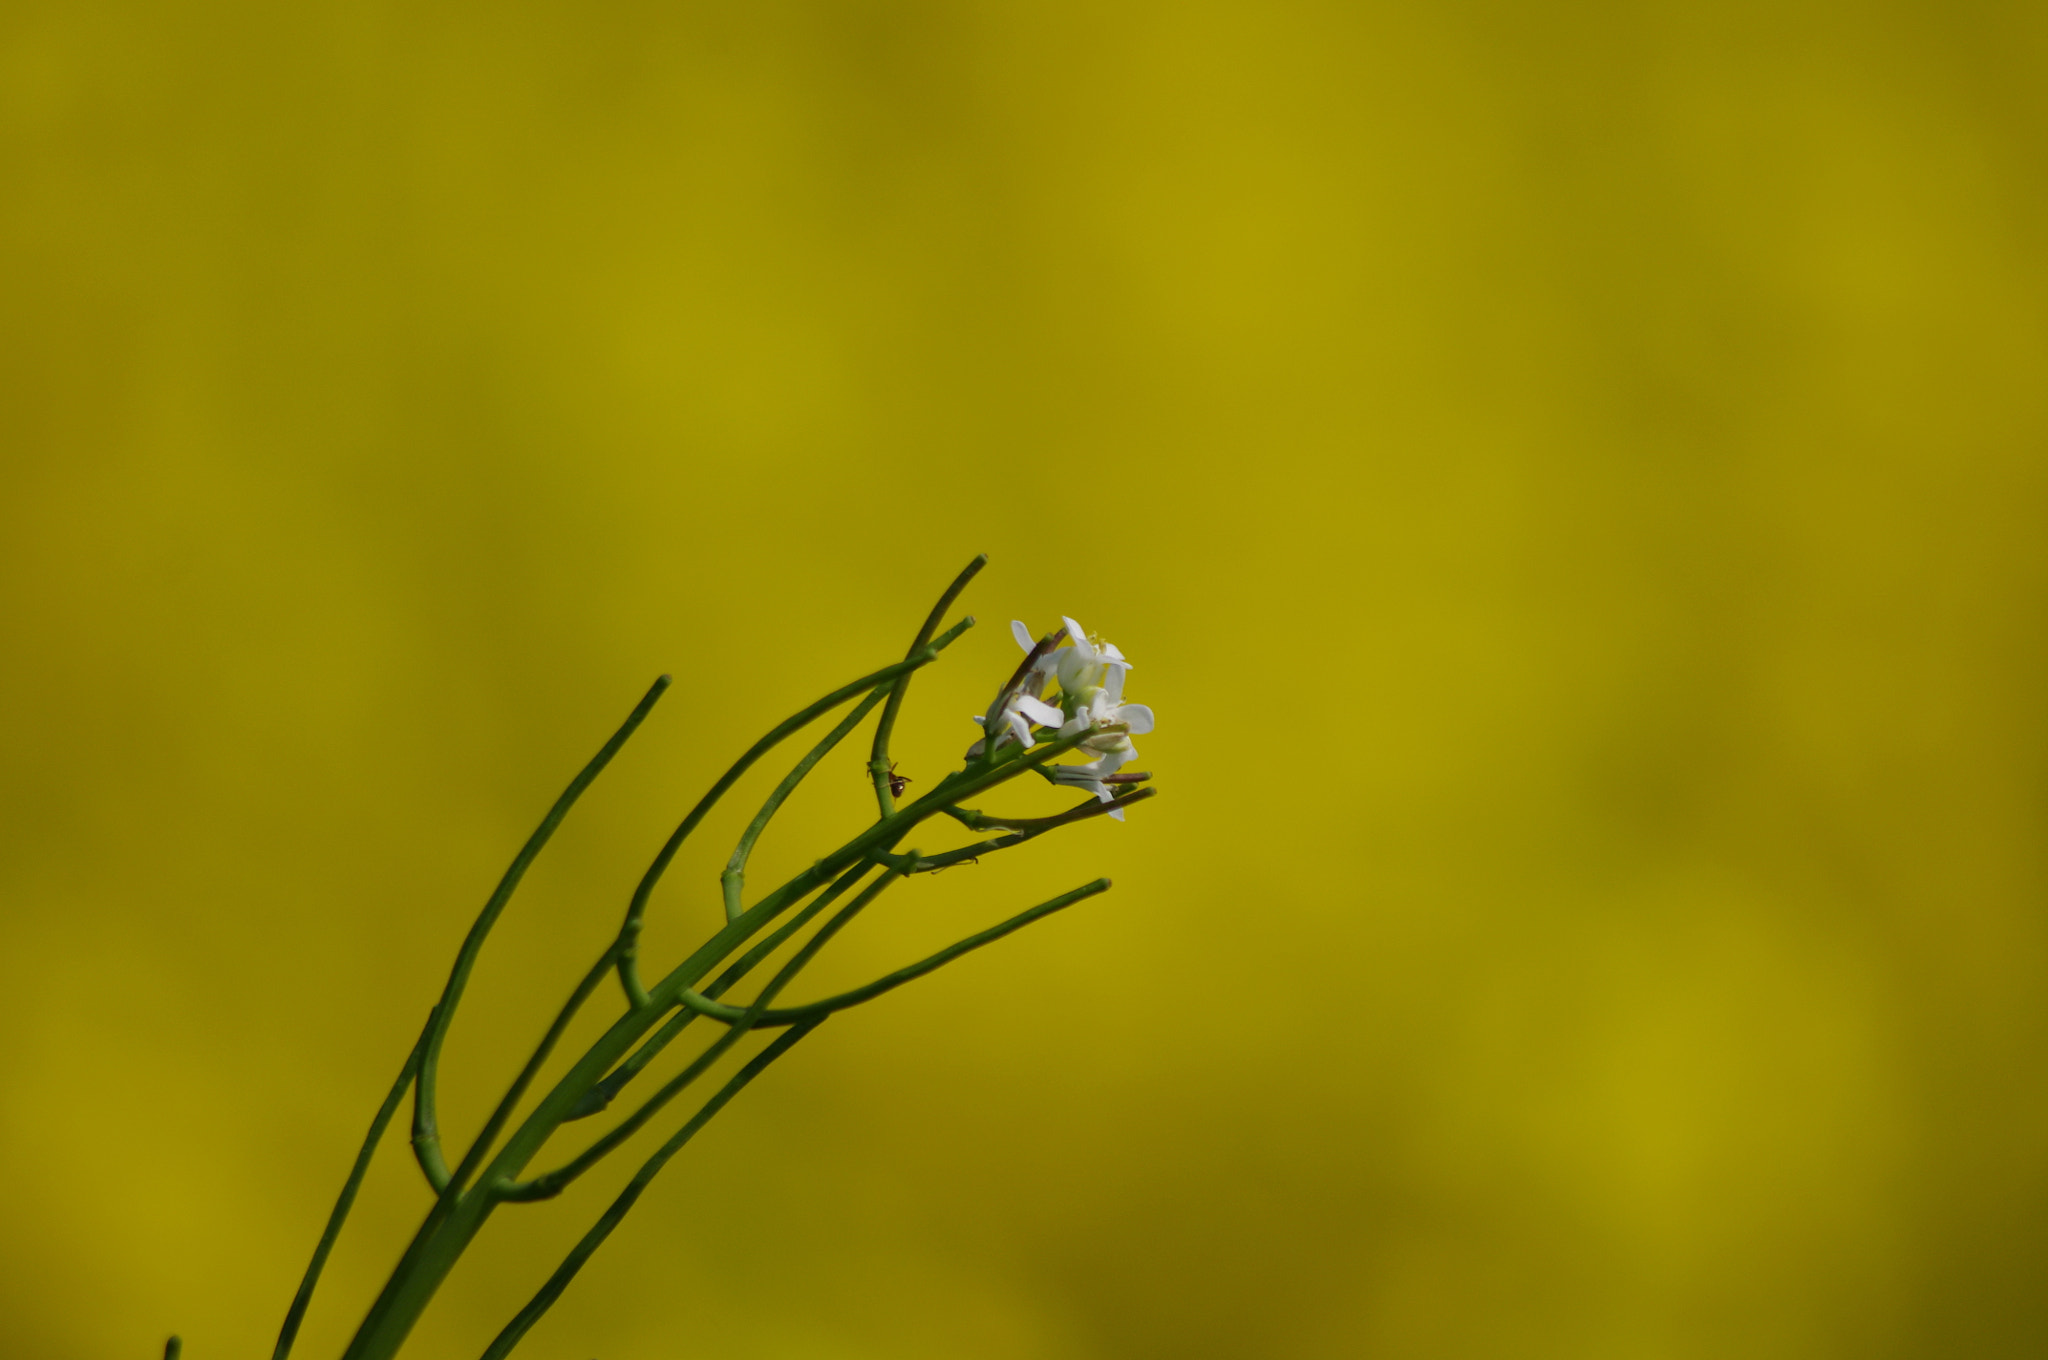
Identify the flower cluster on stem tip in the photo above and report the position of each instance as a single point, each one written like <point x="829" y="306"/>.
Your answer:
<point x="505" y="1163"/>
<point x="1089" y="672"/>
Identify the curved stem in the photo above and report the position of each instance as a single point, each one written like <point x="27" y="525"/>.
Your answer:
<point x="636" y="910"/>
<point x="733" y="881"/>
<point x="592" y="1240"/>
<point x="607" y="1090"/>
<point x="426" y="1133"/>
<point x="479" y="1149"/>
<point x="878" y="761"/>
<point x="551" y="1183"/>
<point x="753" y="1018"/>
<point x="1026" y="829"/>
<point x="455" y="1221"/>
<point x="289" y="1333"/>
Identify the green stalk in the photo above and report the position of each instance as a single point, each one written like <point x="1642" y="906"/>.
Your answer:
<point x="733" y="881"/>
<point x="604" y="1092"/>
<point x="342" y="1204"/>
<point x="454" y="1220"/>
<point x="457" y="1216"/>
<point x="592" y="1240"/>
<point x="636" y="910"/>
<point x="426" y="1133"/>
<point x="755" y="1018"/>
<point x="879" y="764"/>
<point x="551" y="1184"/>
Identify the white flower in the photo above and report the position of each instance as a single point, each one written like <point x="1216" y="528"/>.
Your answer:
<point x="1110" y="721"/>
<point x="1016" y="716"/>
<point x="1024" y="704"/>
<point x="1091" y="673"/>
<point x="1092" y="775"/>
<point x="1087" y="663"/>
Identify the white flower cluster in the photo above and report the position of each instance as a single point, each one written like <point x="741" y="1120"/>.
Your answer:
<point x="1090" y="674"/>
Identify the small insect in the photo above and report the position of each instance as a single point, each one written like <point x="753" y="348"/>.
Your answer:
<point x="897" y="782"/>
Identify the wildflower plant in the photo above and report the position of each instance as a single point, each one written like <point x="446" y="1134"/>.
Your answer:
<point x="1065" y="699"/>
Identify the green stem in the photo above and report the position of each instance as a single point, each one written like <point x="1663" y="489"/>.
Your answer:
<point x="496" y="1123"/>
<point x="636" y="910"/>
<point x="607" y="1090"/>
<point x="426" y="1134"/>
<point x="454" y="1221"/>
<point x="733" y="881"/>
<point x="755" y="1018"/>
<point x="879" y="763"/>
<point x="551" y="1183"/>
<point x="1027" y="829"/>
<point x="592" y="1240"/>
<point x="297" y="1313"/>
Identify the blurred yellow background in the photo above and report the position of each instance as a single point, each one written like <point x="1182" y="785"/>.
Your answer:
<point x="1572" y="481"/>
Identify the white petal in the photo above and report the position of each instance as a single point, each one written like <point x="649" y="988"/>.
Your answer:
<point x="1113" y="685"/>
<point x="1022" y="634"/>
<point x="1103" y="795"/>
<point x="1038" y="710"/>
<point x="1073" y="725"/>
<point x="1117" y="813"/>
<point x="1079" y="637"/>
<point x="1138" y="716"/>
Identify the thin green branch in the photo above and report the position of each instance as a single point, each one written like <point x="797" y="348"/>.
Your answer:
<point x="754" y="1018"/>
<point x="592" y="1240"/>
<point x="450" y="1226"/>
<point x="604" y="1092"/>
<point x="1027" y="829"/>
<point x="426" y="1134"/>
<point x="879" y="764"/>
<point x="636" y="910"/>
<point x="479" y="1149"/>
<point x="732" y="883"/>
<point x="289" y="1333"/>
<point x="551" y="1183"/>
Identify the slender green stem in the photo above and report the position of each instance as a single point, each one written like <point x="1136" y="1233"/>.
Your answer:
<point x="496" y="1123"/>
<point x="753" y="1018"/>
<point x="592" y="1240"/>
<point x="453" y="1223"/>
<point x="733" y="881"/>
<point x="636" y="910"/>
<point x="174" y="1346"/>
<point x="607" y="1090"/>
<point x="426" y="1133"/>
<point x="879" y="764"/>
<point x="1027" y="829"/>
<point x="289" y="1333"/>
<point x="1037" y="826"/>
<point x="552" y="1183"/>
